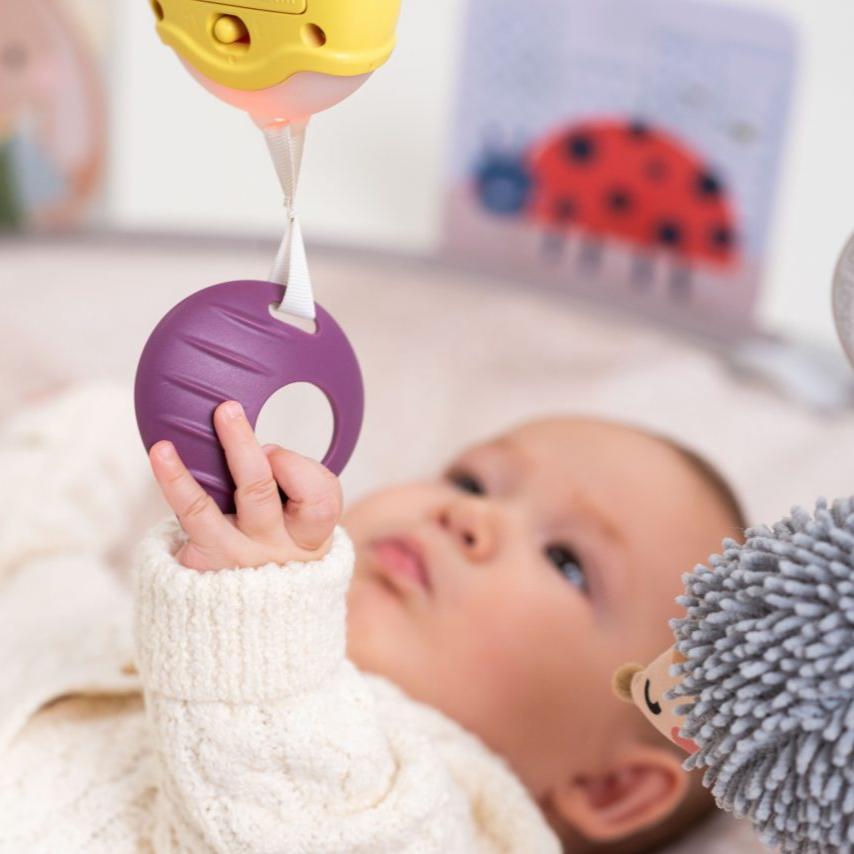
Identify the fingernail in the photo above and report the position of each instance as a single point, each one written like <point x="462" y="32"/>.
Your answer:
<point x="268" y="449"/>
<point x="233" y="411"/>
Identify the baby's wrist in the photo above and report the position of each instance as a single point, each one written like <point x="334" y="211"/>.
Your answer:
<point x="191" y="556"/>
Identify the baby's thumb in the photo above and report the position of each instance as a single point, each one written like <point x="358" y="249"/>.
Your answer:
<point x="314" y="501"/>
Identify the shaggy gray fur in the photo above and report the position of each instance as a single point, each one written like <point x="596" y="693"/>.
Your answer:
<point x="769" y="639"/>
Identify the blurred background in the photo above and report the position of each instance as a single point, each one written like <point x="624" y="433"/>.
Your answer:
<point x="377" y="167"/>
<point x="630" y="207"/>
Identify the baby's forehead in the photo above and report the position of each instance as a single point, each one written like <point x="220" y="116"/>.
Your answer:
<point x="566" y="432"/>
<point x="609" y="457"/>
<point x="599" y="454"/>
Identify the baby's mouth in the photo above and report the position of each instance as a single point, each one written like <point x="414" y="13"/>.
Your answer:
<point x="402" y="564"/>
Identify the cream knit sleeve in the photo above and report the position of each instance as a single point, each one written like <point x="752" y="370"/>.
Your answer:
<point x="73" y="470"/>
<point x="268" y="739"/>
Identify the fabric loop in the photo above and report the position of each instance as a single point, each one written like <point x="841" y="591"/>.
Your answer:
<point x="286" y="143"/>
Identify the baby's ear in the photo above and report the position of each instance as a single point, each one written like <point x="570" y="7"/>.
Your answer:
<point x="645" y="788"/>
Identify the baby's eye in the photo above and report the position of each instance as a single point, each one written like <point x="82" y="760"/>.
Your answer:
<point x="467" y="482"/>
<point x="568" y="564"/>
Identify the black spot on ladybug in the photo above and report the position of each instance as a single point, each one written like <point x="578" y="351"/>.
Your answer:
<point x="638" y="129"/>
<point x="722" y="237"/>
<point x="565" y="209"/>
<point x="619" y="200"/>
<point x="656" y="170"/>
<point x="708" y="185"/>
<point x="581" y="148"/>
<point x="668" y="233"/>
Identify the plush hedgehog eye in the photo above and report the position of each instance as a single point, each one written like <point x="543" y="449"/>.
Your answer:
<point x="654" y="707"/>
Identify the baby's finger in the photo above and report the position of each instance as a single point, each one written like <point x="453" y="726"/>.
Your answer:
<point x="314" y="497"/>
<point x="259" y="507"/>
<point x="197" y="512"/>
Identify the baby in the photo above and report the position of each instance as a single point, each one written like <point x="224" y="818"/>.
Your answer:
<point x="437" y="678"/>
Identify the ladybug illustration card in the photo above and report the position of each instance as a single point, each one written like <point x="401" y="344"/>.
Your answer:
<point x="623" y="150"/>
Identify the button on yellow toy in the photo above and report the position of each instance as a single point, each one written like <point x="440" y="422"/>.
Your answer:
<point x="280" y="60"/>
<point x="230" y="30"/>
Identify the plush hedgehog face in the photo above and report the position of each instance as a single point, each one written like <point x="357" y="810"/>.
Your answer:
<point x="649" y="689"/>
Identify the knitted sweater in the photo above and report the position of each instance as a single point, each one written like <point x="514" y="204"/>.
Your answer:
<point x="202" y="711"/>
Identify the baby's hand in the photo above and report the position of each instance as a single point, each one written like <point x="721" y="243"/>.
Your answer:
<point x="263" y="531"/>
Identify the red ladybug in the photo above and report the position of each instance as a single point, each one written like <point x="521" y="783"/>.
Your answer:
<point x="619" y="180"/>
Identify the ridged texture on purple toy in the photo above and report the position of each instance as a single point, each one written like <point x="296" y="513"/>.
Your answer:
<point x="769" y="642"/>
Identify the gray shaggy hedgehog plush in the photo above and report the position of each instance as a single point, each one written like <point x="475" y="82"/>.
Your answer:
<point x="761" y="680"/>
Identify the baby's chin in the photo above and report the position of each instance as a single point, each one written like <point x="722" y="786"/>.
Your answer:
<point x="369" y="615"/>
<point x="381" y="633"/>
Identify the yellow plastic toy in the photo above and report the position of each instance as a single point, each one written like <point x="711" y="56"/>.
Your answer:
<point x="258" y="44"/>
<point x="280" y="60"/>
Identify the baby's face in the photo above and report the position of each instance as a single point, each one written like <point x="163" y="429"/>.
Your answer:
<point x="506" y="591"/>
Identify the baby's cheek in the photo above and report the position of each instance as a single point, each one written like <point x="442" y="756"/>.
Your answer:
<point x="497" y="636"/>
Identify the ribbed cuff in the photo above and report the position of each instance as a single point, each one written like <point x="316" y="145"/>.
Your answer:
<point x="238" y="635"/>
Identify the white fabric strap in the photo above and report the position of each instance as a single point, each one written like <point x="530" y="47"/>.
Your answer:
<point x="286" y="143"/>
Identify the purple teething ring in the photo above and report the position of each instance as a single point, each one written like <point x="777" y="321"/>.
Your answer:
<point x="222" y="344"/>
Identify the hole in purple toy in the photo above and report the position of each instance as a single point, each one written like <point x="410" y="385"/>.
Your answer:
<point x="302" y="323"/>
<point x="297" y="417"/>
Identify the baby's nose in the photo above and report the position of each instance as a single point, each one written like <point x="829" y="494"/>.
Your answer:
<point x="469" y="524"/>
